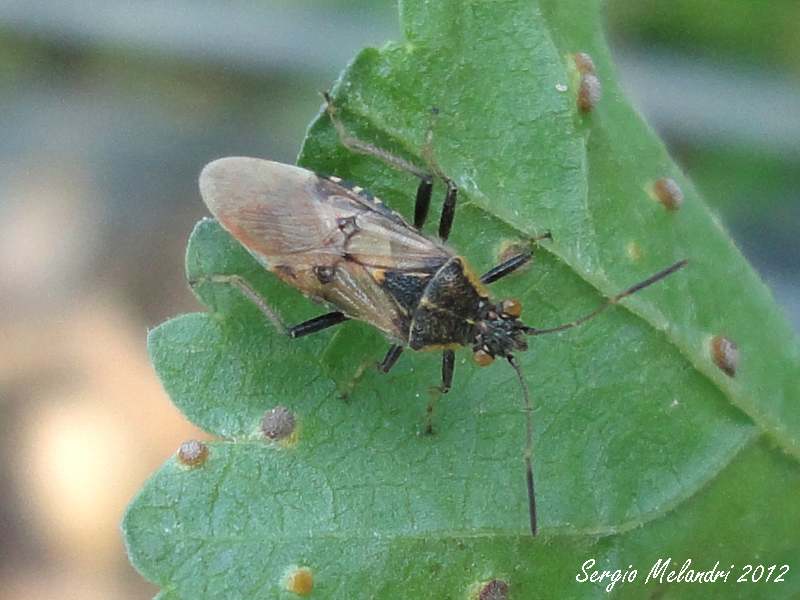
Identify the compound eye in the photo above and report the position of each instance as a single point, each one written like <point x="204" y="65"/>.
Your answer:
<point x="511" y="307"/>
<point x="482" y="358"/>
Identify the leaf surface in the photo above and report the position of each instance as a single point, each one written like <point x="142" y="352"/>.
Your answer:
<point x="643" y="448"/>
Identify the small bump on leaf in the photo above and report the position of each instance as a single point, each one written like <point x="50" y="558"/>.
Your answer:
<point x="299" y="580"/>
<point x="633" y="251"/>
<point x="668" y="193"/>
<point x="725" y="354"/>
<point x="590" y="89"/>
<point x="192" y="453"/>
<point x="584" y="63"/>
<point x="278" y="424"/>
<point x="589" y="93"/>
<point x="496" y="589"/>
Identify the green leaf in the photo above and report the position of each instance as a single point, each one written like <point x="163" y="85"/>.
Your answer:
<point x="643" y="448"/>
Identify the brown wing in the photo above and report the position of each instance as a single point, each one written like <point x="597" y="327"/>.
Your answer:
<point x="331" y="243"/>
<point x="352" y="289"/>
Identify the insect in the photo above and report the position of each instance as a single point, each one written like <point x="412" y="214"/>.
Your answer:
<point x="342" y="247"/>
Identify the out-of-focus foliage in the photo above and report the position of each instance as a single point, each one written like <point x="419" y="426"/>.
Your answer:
<point x="764" y="34"/>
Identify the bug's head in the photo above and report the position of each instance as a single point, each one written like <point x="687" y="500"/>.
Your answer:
<point x="500" y="333"/>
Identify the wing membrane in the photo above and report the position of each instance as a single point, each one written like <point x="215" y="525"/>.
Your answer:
<point x="332" y="243"/>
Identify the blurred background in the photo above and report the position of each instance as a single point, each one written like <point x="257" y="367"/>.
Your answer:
<point x="108" y="111"/>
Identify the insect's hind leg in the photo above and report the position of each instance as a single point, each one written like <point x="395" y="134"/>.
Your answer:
<point x="425" y="188"/>
<point x="448" y="210"/>
<point x="295" y="331"/>
<point x="361" y="147"/>
<point x="423" y="202"/>
<point x="316" y="324"/>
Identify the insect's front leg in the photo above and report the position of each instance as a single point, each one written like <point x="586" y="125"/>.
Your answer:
<point x="295" y="331"/>
<point x="506" y="268"/>
<point x="512" y="265"/>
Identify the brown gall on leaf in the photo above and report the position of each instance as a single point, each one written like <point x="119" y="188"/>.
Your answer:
<point x="725" y="354"/>
<point x="278" y="424"/>
<point x="584" y="63"/>
<point x="496" y="589"/>
<point x="590" y="90"/>
<point x="668" y="193"/>
<point x="192" y="453"/>
<point x="299" y="580"/>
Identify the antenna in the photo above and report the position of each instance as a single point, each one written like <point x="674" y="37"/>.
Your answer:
<point x="529" y="406"/>
<point x="528" y="442"/>
<point x="612" y="301"/>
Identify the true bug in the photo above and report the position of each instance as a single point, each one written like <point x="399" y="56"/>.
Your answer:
<point x="346" y="249"/>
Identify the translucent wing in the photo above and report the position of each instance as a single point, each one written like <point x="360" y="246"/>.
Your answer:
<point x="332" y="243"/>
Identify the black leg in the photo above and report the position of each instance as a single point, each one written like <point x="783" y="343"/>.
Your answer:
<point x="423" y="202"/>
<point x="311" y="326"/>
<point x="448" y="210"/>
<point x="391" y="357"/>
<point x="355" y="145"/>
<point x="426" y="179"/>
<point x="316" y="324"/>
<point x="506" y="268"/>
<point x="448" y="366"/>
